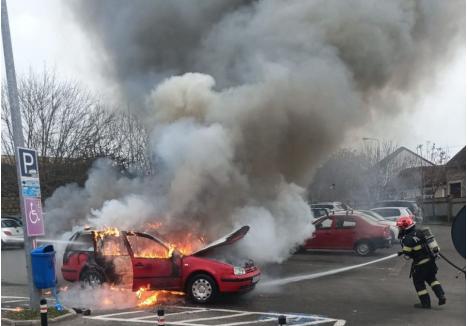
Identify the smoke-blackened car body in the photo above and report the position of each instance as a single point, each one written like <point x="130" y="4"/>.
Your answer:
<point x="141" y="260"/>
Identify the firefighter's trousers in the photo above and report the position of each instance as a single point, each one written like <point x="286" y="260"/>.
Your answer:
<point x="426" y="273"/>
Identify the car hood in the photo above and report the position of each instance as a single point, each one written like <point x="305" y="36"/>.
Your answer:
<point x="228" y="239"/>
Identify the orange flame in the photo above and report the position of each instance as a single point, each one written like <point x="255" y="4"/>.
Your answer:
<point x="148" y="298"/>
<point x="109" y="231"/>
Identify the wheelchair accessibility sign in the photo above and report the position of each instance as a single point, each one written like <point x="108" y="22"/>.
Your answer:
<point x="31" y="190"/>
<point x="34" y="220"/>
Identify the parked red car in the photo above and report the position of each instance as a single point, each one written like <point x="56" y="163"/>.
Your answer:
<point x="349" y="232"/>
<point x="144" y="260"/>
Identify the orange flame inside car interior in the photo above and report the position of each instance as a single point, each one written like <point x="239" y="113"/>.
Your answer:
<point x="143" y="247"/>
<point x="148" y="298"/>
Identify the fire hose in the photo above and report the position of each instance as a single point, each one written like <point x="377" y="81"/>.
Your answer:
<point x="455" y="266"/>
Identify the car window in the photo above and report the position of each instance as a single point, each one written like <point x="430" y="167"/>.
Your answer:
<point x="83" y="242"/>
<point x="345" y="222"/>
<point x="376" y="215"/>
<point x="325" y="224"/>
<point x="112" y="246"/>
<point x="10" y="224"/>
<point x="383" y="211"/>
<point x="408" y="211"/>
<point x="319" y="212"/>
<point x="144" y="247"/>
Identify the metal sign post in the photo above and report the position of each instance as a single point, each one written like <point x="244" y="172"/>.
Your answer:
<point x="18" y="140"/>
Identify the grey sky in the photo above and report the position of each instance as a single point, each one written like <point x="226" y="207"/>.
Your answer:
<point x="44" y="34"/>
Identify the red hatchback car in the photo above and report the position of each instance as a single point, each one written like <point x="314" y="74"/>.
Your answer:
<point x="143" y="260"/>
<point x="349" y="232"/>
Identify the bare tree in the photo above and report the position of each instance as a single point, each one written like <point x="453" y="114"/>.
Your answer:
<point x="70" y="128"/>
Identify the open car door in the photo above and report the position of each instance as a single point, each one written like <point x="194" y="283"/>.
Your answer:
<point x="153" y="265"/>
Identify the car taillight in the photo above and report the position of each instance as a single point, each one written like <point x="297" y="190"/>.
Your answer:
<point x="387" y="231"/>
<point x="7" y="232"/>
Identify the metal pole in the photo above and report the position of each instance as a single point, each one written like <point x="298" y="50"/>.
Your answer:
<point x="43" y="312"/>
<point x="161" y="319"/>
<point x="34" y="294"/>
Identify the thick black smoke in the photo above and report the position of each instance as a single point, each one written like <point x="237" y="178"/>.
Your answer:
<point x="278" y="85"/>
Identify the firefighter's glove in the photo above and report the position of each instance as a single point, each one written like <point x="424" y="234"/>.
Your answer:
<point x="400" y="253"/>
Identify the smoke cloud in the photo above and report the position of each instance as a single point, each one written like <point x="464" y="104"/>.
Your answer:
<point x="244" y="100"/>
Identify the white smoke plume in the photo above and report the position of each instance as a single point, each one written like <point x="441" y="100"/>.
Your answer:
<point x="282" y="84"/>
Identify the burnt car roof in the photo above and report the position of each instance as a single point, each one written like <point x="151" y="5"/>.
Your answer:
<point x="228" y="239"/>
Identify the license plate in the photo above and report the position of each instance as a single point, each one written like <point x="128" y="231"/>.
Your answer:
<point x="256" y="278"/>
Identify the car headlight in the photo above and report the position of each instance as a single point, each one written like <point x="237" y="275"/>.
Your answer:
<point x="239" y="271"/>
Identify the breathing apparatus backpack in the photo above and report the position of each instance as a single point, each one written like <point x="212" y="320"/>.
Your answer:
<point x="429" y="242"/>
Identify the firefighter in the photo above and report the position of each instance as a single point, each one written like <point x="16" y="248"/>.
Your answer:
<point x="423" y="268"/>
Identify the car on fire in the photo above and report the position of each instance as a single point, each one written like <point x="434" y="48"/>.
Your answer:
<point x="348" y="231"/>
<point x="147" y="261"/>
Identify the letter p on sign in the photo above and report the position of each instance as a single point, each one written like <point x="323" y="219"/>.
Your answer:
<point x="28" y="162"/>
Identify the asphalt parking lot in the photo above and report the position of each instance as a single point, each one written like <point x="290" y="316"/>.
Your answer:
<point x="375" y="294"/>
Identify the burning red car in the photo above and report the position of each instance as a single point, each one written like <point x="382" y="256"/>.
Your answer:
<point x="147" y="261"/>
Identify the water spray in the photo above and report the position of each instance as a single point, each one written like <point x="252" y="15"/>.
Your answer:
<point x="304" y="277"/>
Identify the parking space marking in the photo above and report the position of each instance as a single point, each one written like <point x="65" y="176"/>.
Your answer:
<point x="266" y="320"/>
<point x="218" y="317"/>
<point x="12" y="301"/>
<point x="122" y="313"/>
<point x="253" y="317"/>
<point x="173" y="314"/>
<point x="12" y="297"/>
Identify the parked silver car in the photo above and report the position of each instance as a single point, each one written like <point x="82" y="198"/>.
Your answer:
<point x="410" y="204"/>
<point x="12" y="232"/>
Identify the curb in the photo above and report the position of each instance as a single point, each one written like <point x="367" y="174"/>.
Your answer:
<point x="71" y="314"/>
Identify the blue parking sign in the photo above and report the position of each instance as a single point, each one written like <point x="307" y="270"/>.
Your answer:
<point x="28" y="162"/>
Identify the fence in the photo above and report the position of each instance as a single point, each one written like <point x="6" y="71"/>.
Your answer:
<point x="442" y="208"/>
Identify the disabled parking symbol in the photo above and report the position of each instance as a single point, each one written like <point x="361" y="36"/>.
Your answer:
<point x="34" y="220"/>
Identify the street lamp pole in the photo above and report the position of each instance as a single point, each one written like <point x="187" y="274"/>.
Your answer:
<point x="18" y="141"/>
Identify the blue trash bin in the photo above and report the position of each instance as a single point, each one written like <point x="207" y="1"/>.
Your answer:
<point x="43" y="267"/>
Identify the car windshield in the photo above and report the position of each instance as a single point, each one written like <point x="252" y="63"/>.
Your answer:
<point x="374" y="215"/>
<point x="322" y="206"/>
<point x="10" y="224"/>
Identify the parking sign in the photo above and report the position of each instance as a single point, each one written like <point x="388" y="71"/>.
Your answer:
<point x="31" y="191"/>
<point x="28" y="162"/>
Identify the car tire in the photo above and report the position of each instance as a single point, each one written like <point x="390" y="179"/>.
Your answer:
<point x="92" y="277"/>
<point x="202" y="288"/>
<point x="363" y="248"/>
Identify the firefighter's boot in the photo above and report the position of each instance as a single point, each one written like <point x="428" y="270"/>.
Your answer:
<point x="425" y="300"/>
<point x="439" y="292"/>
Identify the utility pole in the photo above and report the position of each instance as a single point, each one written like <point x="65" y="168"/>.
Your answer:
<point x="18" y="140"/>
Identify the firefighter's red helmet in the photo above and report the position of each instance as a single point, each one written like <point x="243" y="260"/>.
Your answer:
<point x="405" y="222"/>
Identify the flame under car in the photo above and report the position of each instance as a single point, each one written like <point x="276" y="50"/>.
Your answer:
<point x="141" y="260"/>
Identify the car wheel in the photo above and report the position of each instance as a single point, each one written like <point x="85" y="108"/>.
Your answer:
<point x="202" y="288"/>
<point x="92" y="277"/>
<point x="363" y="248"/>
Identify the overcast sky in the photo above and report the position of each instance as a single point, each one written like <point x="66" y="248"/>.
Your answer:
<point x="44" y="34"/>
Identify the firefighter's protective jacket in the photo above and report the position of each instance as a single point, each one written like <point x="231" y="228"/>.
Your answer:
<point x="415" y="247"/>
